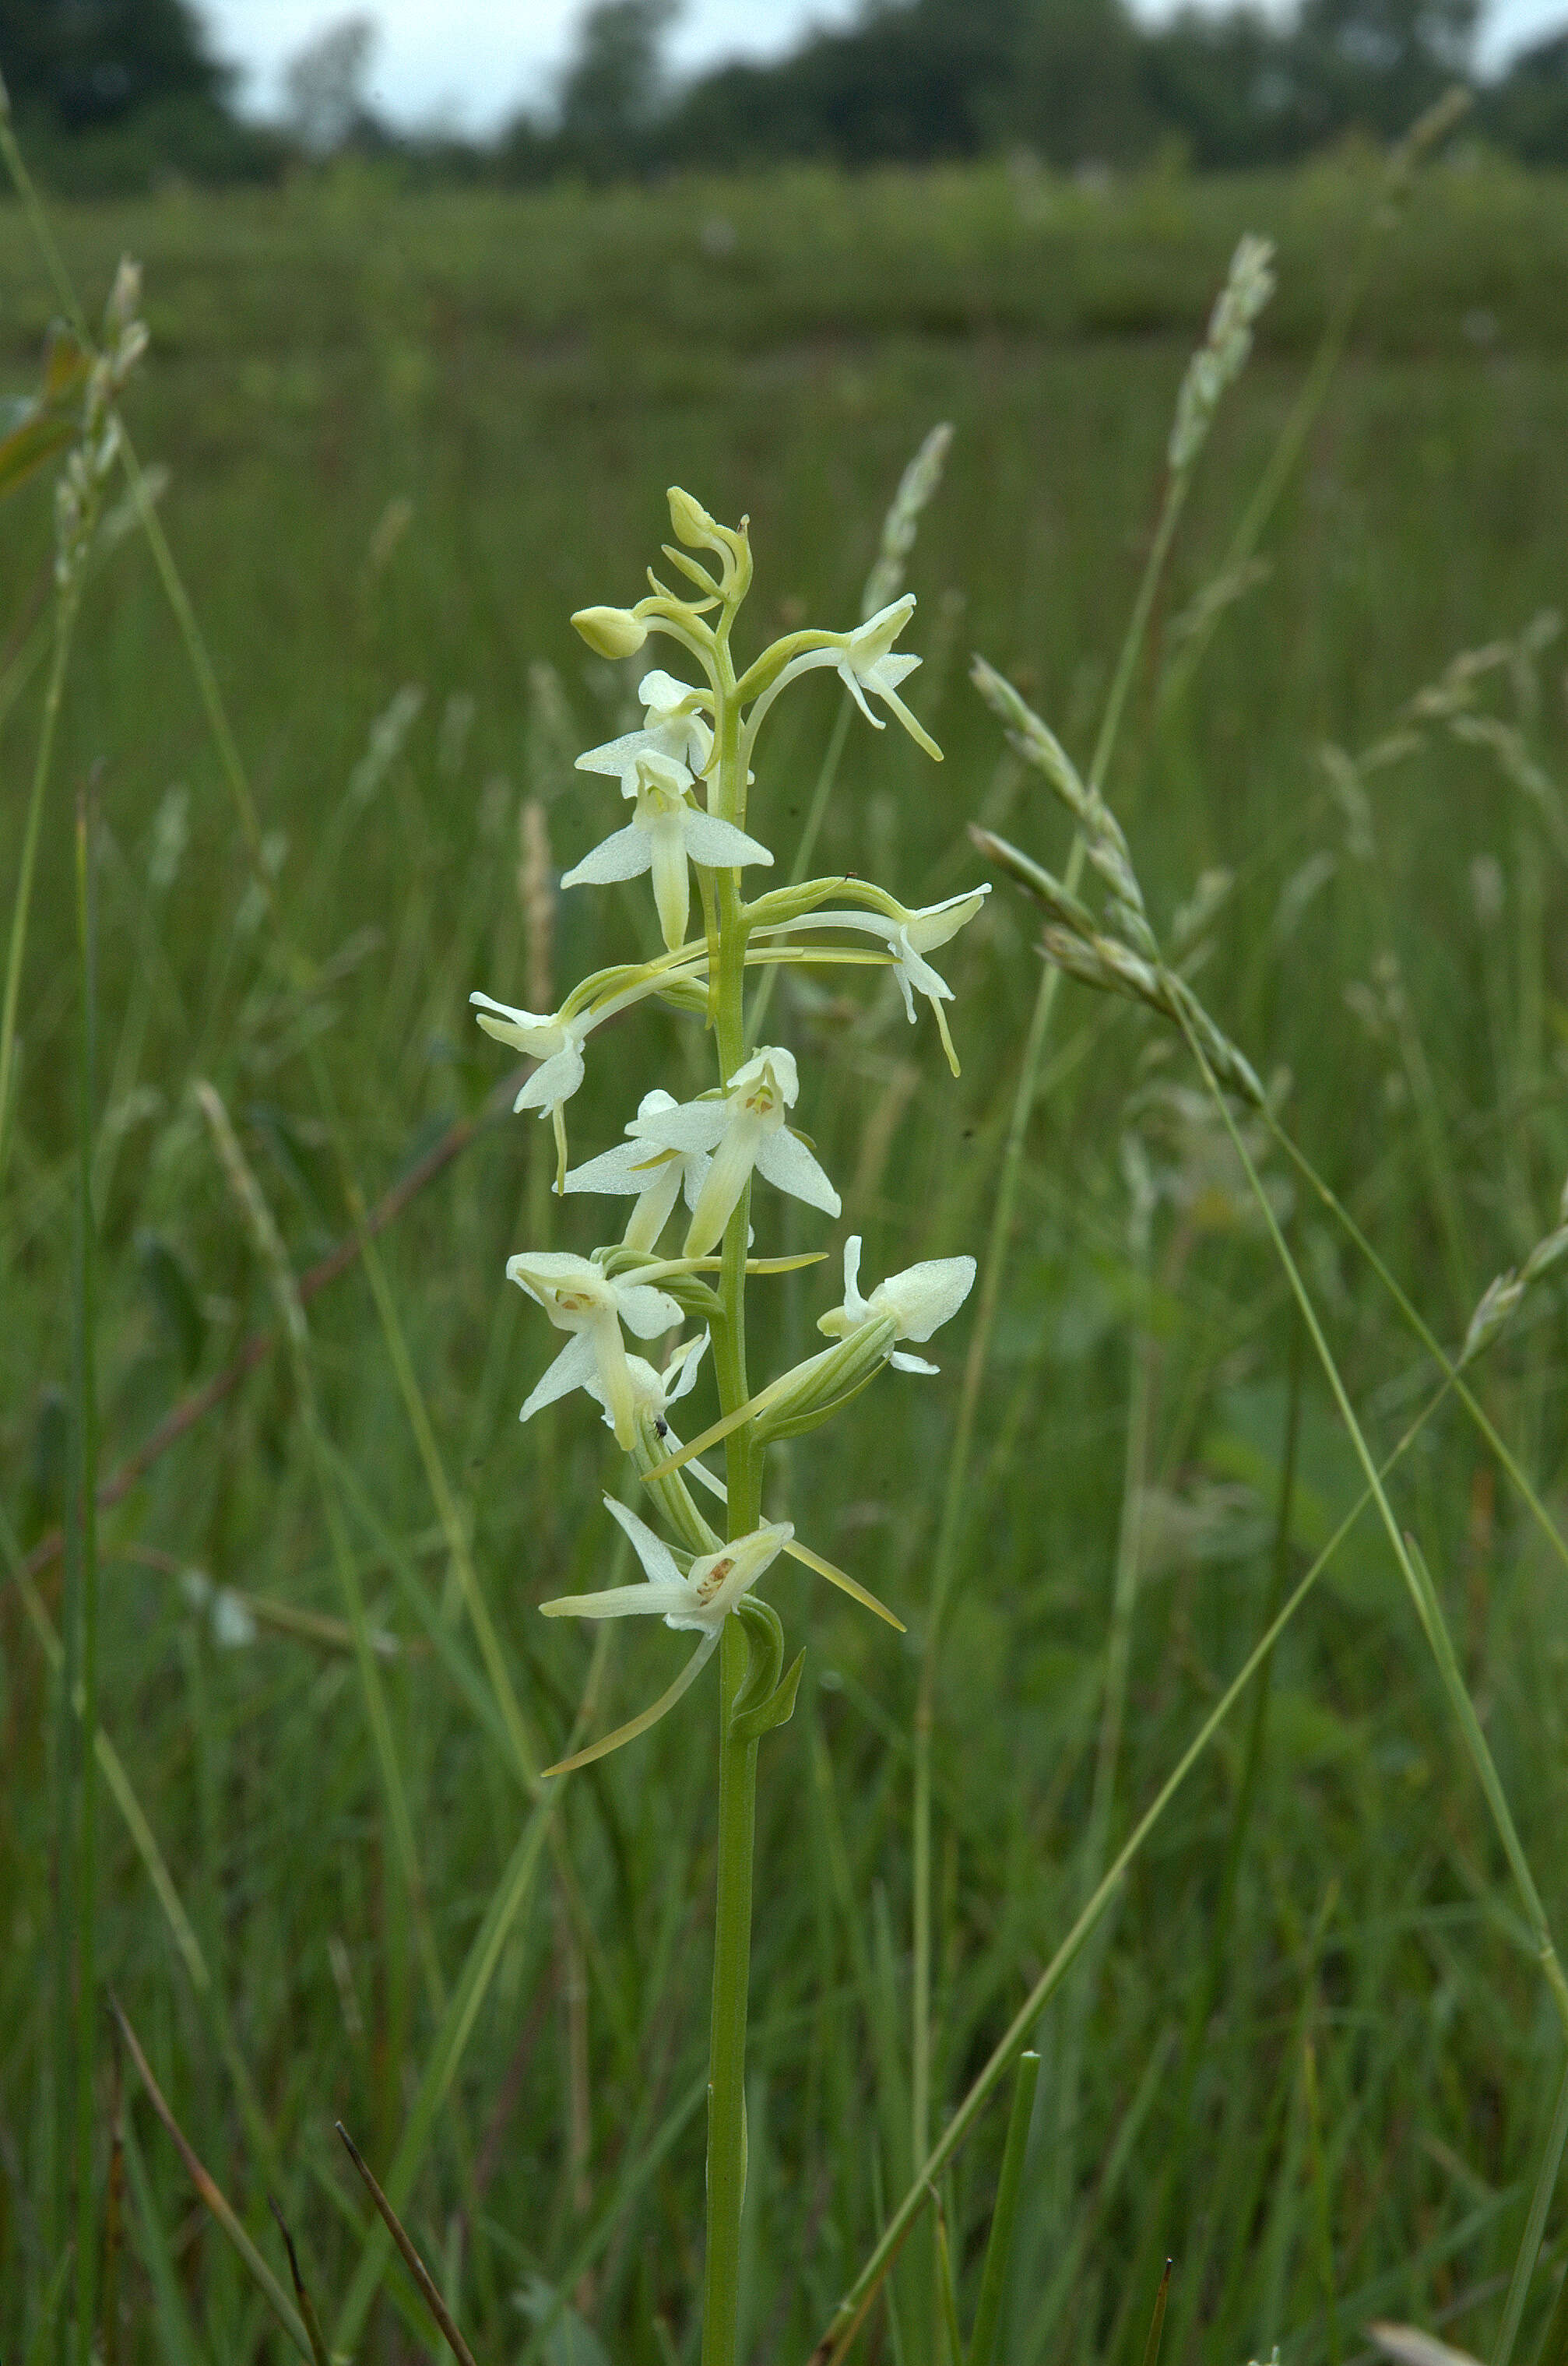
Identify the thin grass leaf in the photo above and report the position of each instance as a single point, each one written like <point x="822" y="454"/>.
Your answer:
<point x="256" y="2266"/>
<point x="445" y="2053"/>
<point x="1004" y="2215"/>
<point x="1553" y="2349"/>
<point x="306" y="2305"/>
<point x="1157" y="2323"/>
<point x="444" y="2322"/>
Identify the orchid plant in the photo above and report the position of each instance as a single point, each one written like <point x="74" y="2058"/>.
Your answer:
<point x="687" y="772"/>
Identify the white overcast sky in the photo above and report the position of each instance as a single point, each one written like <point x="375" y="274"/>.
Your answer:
<point x="473" y="63"/>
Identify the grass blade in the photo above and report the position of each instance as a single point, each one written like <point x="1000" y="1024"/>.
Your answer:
<point x="1004" y="2216"/>
<point x="207" y="2187"/>
<point x="1156" y="2325"/>
<point x="1534" y="2226"/>
<point x="411" y="2259"/>
<point x="307" y="2306"/>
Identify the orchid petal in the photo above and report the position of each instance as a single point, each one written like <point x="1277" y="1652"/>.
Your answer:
<point x="572" y="1369"/>
<point x="787" y="1164"/>
<point x="658" y="1561"/>
<point x="925" y="1296"/>
<point x="646" y="1717"/>
<point x="648" y="1311"/>
<point x="690" y="1126"/>
<point x="554" y="1081"/>
<point x="628" y="1167"/>
<point x="645" y="1601"/>
<point x="686" y="1360"/>
<point x="720" y="845"/>
<point x="623" y="856"/>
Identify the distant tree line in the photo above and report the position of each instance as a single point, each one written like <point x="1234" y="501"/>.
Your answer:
<point x="128" y="89"/>
<point x="1074" y="81"/>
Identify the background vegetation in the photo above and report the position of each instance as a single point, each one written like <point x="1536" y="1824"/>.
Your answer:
<point x="1311" y="2060"/>
<point x="123" y="95"/>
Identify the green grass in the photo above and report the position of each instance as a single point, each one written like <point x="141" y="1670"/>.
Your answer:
<point x="1326" y="2098"/>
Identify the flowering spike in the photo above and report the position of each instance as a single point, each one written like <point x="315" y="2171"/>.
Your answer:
<point x="683" y="773"/>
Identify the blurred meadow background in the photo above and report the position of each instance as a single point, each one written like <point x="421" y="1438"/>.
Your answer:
<point x="395" y="436"/>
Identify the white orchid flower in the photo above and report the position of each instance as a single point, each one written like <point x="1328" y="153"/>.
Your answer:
<point x="653" y="1392"/>
<point x="656" y="1176"/>
<point x="667" y="832"/>
<point x="674" y="730"/>
<point x="580" y="1297"/>
<point x="916" y="1301"/>
<point x="556" y="1043"/>
<point x="864" y="661"/>
<point x="869" y="663"/>
<point x="698" y="1603"/>
<point x="743" y="1128"/>
<point x="908" y="938"/>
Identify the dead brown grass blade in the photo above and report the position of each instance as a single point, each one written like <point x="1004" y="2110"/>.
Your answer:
<point x="212" y="2196"/>
<point x="411" y="2259"/>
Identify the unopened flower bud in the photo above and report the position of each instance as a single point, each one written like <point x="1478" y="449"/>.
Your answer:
<point x="692" y="523"/>
<point x="611" y="632"/>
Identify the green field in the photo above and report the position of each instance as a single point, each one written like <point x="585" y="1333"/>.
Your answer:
<point x="1309" y="2055"/>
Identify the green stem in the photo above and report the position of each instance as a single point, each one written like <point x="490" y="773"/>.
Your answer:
<point x="85" y="1522"/>
<point x="731" y="1977"/>
<point x="64" y="629"/>
<point x="1131" y="647"/>
<point x="736" y="1759"/>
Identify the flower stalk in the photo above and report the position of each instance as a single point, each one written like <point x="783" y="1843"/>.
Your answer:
<point x="688" y="770"/>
